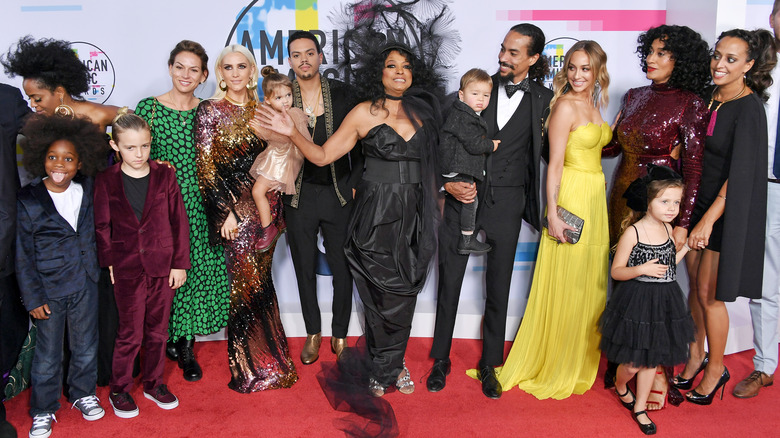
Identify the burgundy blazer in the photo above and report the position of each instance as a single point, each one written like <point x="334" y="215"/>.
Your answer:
<point x="155" y="245"/>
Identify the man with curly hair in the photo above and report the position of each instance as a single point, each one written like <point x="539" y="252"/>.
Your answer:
<point x="515" y="115"/>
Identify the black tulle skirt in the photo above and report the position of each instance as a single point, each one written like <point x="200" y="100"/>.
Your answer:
<point x="647" y="324"/>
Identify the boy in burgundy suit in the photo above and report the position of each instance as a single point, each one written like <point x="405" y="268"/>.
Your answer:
<point x="143" y="238"/>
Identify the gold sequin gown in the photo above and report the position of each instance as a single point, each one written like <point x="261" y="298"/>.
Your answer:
<point x="257" y="346"/>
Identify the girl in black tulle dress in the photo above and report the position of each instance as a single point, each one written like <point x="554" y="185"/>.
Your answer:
<point x="646" y="322"/>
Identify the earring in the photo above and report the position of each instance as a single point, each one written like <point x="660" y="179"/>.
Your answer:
<point x="223" y="85"/>
<point x="64" y="110"/>
<point x="252" y="85"/>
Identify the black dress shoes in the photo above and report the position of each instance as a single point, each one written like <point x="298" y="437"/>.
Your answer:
<point x="171" y="351"/>
<point x="186" y="358"/>
<point x="438" y="377"/>
<point x="490" y="384"/>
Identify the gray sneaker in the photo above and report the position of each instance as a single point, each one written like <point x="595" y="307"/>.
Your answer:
<point x="41" y="427"/>
<point x="90" y="407"/>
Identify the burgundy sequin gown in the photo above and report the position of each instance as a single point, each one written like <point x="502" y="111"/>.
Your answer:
<point x="655" y="120"/>
<point x="257" y="346"/>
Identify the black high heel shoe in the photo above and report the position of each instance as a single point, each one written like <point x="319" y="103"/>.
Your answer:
<point x="627" y="405"/>
<point x="699" y="399"/>
<point x="685" y="384"/>
<point x="647" y="429"/>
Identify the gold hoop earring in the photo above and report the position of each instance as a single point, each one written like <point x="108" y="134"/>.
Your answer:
<point x="252" y="85"/>
<point x="64" y="110"/>
<point x="223" y="85"/>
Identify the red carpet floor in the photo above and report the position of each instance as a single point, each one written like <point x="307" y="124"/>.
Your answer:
<point x="209" y="409"/>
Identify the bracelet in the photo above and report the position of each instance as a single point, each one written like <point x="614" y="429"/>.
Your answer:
<point x="687" y="247"/>
<point x="721" y="196"/>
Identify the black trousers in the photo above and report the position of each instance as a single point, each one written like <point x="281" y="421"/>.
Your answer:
<point x="14" y="323"/>
<point x="108" y="324"/>
<point x="501" y="222"/>
<point x="319" y="209"/>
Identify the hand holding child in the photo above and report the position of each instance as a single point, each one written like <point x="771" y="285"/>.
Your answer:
<point x="652" y="268"/>
<point x="177" y="278"/>
<point x="41" y="312"/>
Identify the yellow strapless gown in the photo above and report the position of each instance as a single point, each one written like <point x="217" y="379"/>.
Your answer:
<point x="556" y="351"/>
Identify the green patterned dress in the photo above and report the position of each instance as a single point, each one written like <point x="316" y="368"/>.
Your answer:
<point x="201" y="304"/>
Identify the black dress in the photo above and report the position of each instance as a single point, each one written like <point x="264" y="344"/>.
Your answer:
<point x="647" y="322"/>
<point x="390" y="244"/>
<point x="737" y="151"/>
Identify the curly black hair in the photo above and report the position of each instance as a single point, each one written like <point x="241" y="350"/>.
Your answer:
<point x="761" y="49"/>
<point x="690" y="53"/>
<point x="41" y="131"/>
<point x="368" y="78"/>
<point x="50" y="62"/>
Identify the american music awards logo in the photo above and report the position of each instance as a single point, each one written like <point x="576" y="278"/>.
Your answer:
<point x="102" y="77"/>
<point x="555" y="51"/>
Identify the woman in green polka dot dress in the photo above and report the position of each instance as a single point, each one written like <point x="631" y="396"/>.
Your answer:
<point x="201" y="304"/>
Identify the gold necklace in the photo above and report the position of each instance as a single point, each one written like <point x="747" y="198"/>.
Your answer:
<point x="312" y="113"/>
<point x="178" y="112"/>
<point x="714" y="114"/>
<point x="235" y="102"/>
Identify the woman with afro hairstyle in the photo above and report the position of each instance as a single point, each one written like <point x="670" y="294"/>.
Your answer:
<point x="55" y="79"/>
<point x="663" y="124"/>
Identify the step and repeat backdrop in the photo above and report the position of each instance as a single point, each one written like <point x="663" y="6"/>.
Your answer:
<point x="126" y="44"/>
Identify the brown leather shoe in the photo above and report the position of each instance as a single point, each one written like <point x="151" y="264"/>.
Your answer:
<point x="752" y="384"/>
<point x="311" y="349"/>
<point x="337" y="345"/>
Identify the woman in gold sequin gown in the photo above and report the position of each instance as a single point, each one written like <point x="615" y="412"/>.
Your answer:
<point x="556" y="351"/>
<point x="257" y="346"/>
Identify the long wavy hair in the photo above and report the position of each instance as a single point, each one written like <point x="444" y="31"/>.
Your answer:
<point x="689" y="51"/>
<point x="598" y="64"/>
<point x="235" y="48"/>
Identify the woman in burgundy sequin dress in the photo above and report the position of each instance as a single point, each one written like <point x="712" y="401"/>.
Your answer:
<point x="663" y="124"/>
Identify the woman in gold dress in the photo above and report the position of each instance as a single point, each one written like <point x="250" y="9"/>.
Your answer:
<point x="227" y="146"/>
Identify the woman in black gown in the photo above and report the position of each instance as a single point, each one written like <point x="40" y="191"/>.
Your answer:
<point x="391" y="237"/>
<point x="728" y="220"/>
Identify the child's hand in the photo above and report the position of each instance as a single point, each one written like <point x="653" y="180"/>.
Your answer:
<point x="177" y="278"/>
<point x="111" y="273"/>
<point x="495" y="144"/>
<point x="41" y="312"/>
<point x="652" y="268"/>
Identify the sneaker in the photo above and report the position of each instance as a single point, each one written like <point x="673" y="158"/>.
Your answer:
<point x="164" y="399"/>
<point x="41" y="427"/>
<point x="123" y="404"/>
<point x="90" y="408"/>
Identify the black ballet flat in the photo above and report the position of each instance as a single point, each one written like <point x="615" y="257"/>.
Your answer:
<point x="699" y="399"/>
<point x="627" y="405"/>
<point x="647" y="429"/>
<point x="685" y="384"/>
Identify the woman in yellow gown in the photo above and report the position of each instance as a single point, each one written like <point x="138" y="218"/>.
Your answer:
<point x="556" y="351"/>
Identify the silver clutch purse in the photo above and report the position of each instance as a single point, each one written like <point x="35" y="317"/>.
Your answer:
<point x="572" y="220"/>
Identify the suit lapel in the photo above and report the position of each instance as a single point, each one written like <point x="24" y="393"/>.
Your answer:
<point x="48" y="204"/>
<point x="86" y="199"/>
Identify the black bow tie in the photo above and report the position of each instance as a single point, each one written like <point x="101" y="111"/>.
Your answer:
<point x="511" y="89"/>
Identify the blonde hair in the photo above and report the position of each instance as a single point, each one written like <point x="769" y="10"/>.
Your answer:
<point x="273" y="79"/>
<point x="598" y="65"/>
<point x="125" y="120"/>
<point x="235" y="48"/>
<point x="475" y="75"/>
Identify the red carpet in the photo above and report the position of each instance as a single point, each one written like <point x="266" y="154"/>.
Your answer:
<point x="209" y="409"/>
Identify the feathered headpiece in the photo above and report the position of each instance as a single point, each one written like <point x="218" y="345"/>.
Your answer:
<point x="636" y="193"/>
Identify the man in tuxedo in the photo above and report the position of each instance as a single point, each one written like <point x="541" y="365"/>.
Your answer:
<point x="323" y="196"/>
<point x="13" y="316"/>
<point x="764" y="312"/>
<point x="518" y="106"/>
